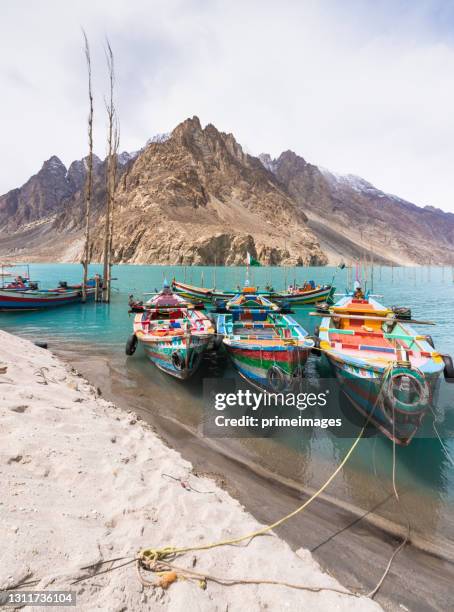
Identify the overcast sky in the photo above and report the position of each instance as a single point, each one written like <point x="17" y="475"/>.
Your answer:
<point x="358" y="86"/>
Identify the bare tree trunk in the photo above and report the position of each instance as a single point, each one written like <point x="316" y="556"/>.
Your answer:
<point x="113" y="186"/>
<point x="112" y="147"/>
<point x="89" y="176"/>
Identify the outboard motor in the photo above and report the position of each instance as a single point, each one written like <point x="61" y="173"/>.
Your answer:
<point x="322" y="307"/>
<point x="33" y="285"/>
<point x="402" y="312"/>
<point x="63" y="285"/>
<point x="134" y="305"/>
<point x="219" y="305"/>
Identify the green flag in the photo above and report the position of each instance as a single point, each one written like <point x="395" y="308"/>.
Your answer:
<point x="251" y="261"/>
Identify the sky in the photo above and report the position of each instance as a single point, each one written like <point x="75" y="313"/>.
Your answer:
<point x="357" y="86"/>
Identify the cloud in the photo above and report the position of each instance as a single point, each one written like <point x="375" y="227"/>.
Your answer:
<point x="363" y="88"/>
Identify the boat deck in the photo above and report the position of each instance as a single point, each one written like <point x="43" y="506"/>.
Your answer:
<point x="264" y="333"/>
<point x="363" y="340"/>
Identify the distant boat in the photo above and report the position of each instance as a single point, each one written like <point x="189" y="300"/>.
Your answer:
<point x="21" y="294"/>
<point x="309" y="293"/>
<point x="268" y="348"/>
<point x="387" y="370"/>
<point x="173" y="333"/>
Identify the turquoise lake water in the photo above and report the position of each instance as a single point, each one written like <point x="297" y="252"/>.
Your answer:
<point x="425" y="473"/>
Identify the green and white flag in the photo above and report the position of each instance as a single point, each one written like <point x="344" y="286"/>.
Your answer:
<point x="251" y="261"/>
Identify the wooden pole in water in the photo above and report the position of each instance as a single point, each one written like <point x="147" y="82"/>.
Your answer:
<point x="372" y="276"/>
<point x="96" y="287"/>
<point x="110" y="173"/>
<point x="89" y="176"/>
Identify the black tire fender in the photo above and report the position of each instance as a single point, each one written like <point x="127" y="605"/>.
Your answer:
<point x="316" y="348"/>
<point x="448" y="369"/>
<point x="131" y="345"/>
<point x="194" y="360"/>
<point x="275" y="378"/>
<point x="178" y="361"/>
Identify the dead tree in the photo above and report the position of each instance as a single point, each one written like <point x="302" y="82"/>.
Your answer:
<point x="113" y="186"/>
<point x="89" y="175"/>
<point x="111" y="171"/>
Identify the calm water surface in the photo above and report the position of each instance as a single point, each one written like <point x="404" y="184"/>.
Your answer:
<point x="425" y="474"/>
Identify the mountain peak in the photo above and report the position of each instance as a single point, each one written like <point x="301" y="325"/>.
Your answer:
<point x="291" y="157"/>
<point x="54" y="163"/>
<point x="188" y="126"/>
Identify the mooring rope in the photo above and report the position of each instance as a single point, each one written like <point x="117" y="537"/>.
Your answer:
<point x="149" y="557"/>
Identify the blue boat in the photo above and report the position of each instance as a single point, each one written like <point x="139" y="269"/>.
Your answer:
<point x="267" y="347"/>
<point x="22" y="294"/>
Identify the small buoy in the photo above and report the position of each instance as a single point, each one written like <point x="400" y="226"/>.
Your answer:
<point x="42" y="345"/>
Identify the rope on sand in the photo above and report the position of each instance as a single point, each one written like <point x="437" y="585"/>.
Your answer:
<point x="155" y="559"/>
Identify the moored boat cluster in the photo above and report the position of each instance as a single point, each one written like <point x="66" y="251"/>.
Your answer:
<point x="388" y="371"/>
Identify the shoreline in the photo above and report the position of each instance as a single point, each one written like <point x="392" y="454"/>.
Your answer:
<point x="369" y="543"/>
<point x="330" y="264"/>
<point x="86" y="482"/>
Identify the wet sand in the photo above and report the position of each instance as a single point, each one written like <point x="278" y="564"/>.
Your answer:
<point x="355" y="550"/>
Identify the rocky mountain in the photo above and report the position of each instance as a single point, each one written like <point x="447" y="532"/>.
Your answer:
<point x="352" y="218"/>
<point x="195" y="197"/>
<point x="192" y="197"/>
<point x="40" y="197"/>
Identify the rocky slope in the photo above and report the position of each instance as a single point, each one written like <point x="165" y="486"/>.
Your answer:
<point x="197" y="198"/>
<point x="194" y="197"/>
<point x="353" y="219"/>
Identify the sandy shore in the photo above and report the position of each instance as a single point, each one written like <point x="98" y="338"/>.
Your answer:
<point x="84" y="482"/>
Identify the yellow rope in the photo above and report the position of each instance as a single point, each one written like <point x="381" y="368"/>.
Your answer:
<point x="159" y="554"/>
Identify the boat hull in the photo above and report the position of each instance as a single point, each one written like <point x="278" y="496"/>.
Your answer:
<point x="176" y="358"/>
<point x="307" y="297"/>
<point x="314" y="296"/>
<point x="14" y="300"/>
<point x="362" y="387"/>
<point x="260" y="366"/>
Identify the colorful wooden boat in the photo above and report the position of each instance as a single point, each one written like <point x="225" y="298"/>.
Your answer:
<point x="268" y="348"/>
<point x="388" y="371"/>
<point x="22" y="294"/>
<point x="309" y="293"/>
<point x="173" y="333"/>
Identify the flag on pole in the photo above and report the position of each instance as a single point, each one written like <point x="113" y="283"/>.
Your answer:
<point x="251" y="261"/>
